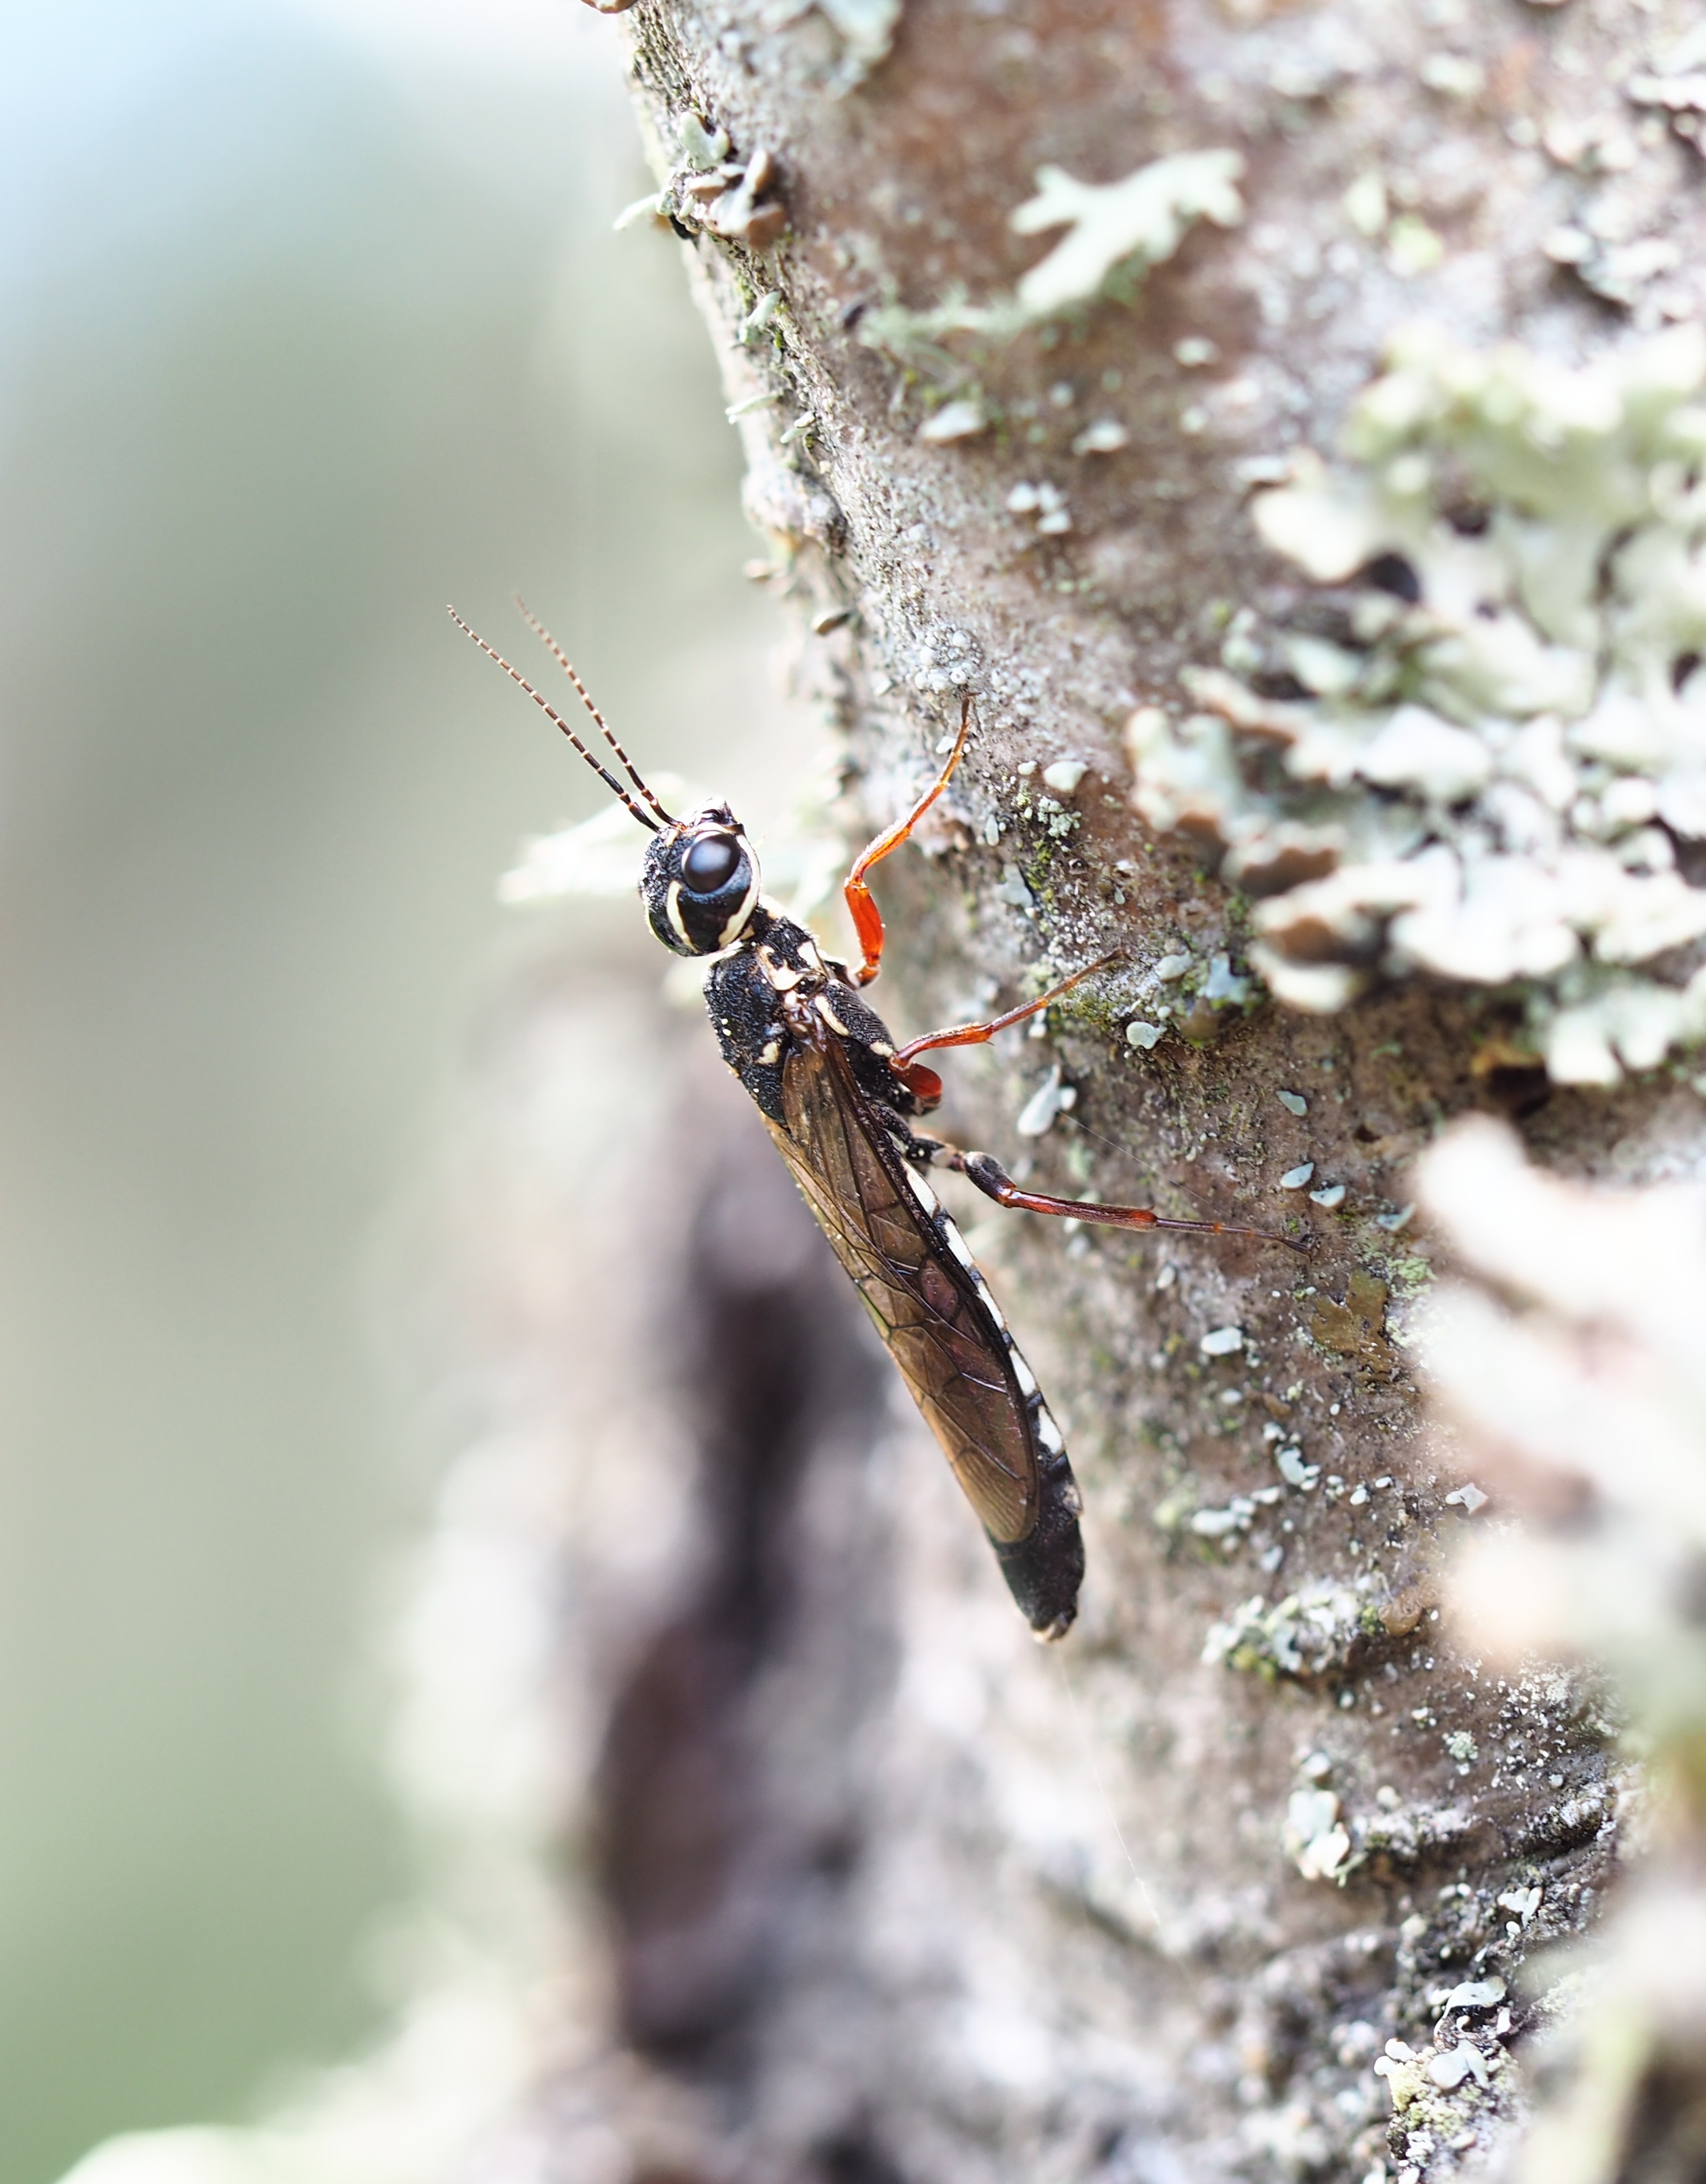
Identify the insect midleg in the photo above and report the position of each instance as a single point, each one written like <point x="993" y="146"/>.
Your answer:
<point x="861" y="906"/>
<point x="977" y="1034"/>
<point x="994" y="1181"/>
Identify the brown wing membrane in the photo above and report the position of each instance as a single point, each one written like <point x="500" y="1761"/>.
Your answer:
<point x="938" y="1329"/>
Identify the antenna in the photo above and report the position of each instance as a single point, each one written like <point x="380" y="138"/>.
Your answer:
<point x="567" y="666"/>
<point x="551" y="713"/>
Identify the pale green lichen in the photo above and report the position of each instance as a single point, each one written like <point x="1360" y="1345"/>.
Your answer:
<point x="711" y="189"/>
<point x="1132" y="225"/>
<point x="1140" y="221"/>
<point x="1495" y="741"/>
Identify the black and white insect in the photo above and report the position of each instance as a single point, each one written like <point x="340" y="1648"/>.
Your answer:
<point x="841" y="1099"/>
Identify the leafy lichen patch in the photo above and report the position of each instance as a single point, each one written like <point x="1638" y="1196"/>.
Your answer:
<point x="1488" y="761"/>
<point x="1139" y="221"/>
<point x="1130" y="225"/>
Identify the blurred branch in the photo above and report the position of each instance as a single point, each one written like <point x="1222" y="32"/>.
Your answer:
<point x="1579" y="1374"/>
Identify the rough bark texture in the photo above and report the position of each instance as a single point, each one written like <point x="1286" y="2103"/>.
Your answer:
<point x="894" y="1894"/>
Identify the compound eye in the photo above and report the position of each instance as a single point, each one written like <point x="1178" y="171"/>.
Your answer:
<point x="710" y="864"/>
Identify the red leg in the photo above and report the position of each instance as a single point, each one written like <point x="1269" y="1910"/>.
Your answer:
<point x="979" y="1034"/>
<point x="994" y="1181"/>
<point x="923" y="1083"/>
<point x="861" y="906"/>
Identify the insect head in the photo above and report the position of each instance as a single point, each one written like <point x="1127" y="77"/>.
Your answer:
<point x="701" y="882"/>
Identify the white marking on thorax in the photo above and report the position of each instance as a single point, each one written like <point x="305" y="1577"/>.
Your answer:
<point x="781" y="977"/>
<point x="771" y="1052"/>
<point x="820" y="1003"/>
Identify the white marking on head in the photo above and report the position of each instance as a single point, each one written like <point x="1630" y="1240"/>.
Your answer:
<point x="672" y="911"/>
<point x="736" y="924"/>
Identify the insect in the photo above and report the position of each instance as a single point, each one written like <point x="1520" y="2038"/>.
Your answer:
<point x="841" y="1100"/>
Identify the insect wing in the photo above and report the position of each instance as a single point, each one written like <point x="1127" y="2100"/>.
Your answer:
<point x="939" y="1329"/>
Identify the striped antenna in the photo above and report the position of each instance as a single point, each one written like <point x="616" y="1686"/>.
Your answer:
<point x="567" y="666"/>
<point x="551" y="713"/>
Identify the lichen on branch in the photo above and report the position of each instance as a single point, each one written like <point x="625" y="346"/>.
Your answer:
<point x="1478" y="751"/>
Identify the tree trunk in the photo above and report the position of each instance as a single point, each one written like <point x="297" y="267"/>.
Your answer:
<point x="896" y="1894"/>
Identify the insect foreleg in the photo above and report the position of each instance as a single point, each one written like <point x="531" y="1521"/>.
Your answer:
<point x="861" y="906"/>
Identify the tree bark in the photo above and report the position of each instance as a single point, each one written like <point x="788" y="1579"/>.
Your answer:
<point x="894" y="1894"/>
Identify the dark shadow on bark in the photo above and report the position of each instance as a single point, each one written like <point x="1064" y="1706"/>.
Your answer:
<point x="776" y="1375"/>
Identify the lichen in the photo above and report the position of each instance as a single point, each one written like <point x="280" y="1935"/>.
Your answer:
<point x="1314" y="1836"/>
<point x="866" y="28"/>
<point x="1128" y="225"/>
<point x="1489" y="742"/>
<point x="712" y="191"/>
<point x="1308" y="1634"/>
<point x="1138" y="222"/>
<point x="1446" y="2095"/>
<point x="1574" y="1369"/>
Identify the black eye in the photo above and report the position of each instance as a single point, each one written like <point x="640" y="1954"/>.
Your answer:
<point x="710" y="863"/>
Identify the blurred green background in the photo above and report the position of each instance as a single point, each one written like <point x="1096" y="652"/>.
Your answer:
<point x="310" y="318"/>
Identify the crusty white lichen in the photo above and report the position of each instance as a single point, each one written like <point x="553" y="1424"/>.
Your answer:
<point x="1309" y="1633"/>
<point x="1479" y="756"/>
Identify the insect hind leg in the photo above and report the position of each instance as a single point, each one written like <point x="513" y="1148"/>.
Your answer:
<point x="994" y="1181"/>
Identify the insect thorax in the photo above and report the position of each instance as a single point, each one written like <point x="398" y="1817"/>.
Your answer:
<point x="776" y="993"/>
